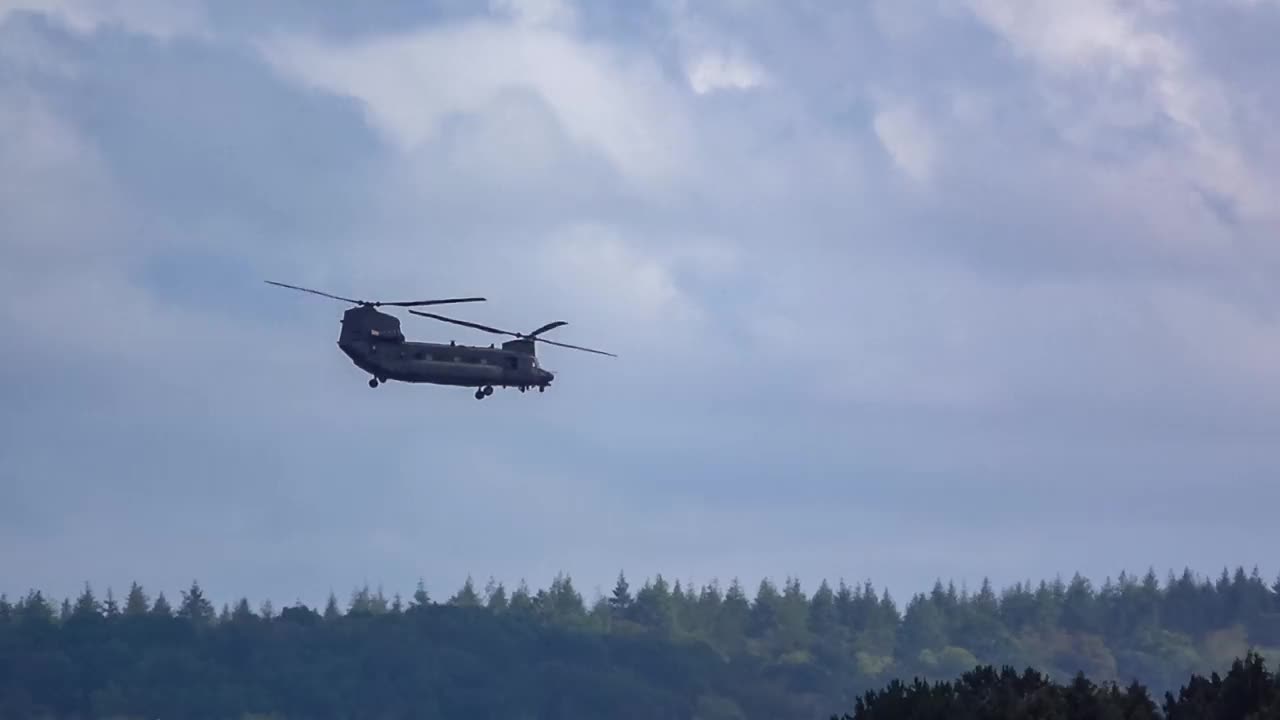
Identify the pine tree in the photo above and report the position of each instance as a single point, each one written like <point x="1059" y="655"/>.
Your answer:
<point x="110" y="608"/>
<point x="242" y="613"/>
<point x="923" y="627"/>
<point x="495" y="595"/>
<point x="601" y="616"/>
<point x="708" y="609"/>
<point x="86" y="606"/>
<point x="621" y="599"/>
<point x="36" y="609"/>
<point x="331" y="611"/>
<point x="161" y="608"/>
<point x="729" y="631"/>
<point x="466" y="595"/>
<point x="420" y="596"/>
<point x="361" y="601"/>
<point x="793" y="617"/>
<point x="822" y="610"/>
<point x="652" y="606"/>
<point x="765" y="610"/>
<point x="194" y="606"/>
<point x="985" y="602"/>
<point x="522" y="604"/>
<point x="564" y="603"/>
<point x="136" y="604"/>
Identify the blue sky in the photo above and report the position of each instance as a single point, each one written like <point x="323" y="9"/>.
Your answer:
<point x="902" y="291"/>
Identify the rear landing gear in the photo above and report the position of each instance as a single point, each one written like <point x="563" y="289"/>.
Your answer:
<point x="484" y="392"/>
<point x="373" y="382"/>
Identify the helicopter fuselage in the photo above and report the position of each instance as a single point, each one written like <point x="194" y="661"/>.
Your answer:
<point x="374" y="342"/>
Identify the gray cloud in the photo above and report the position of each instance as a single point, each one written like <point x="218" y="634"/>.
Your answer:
<point x="898" y="295"/>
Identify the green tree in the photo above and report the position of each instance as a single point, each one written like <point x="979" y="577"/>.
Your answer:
<point x="466" y="595"/>
<point x="420" y="596"/>
<point x="161" y="606"/>
<point x="564" y="603"/>
<point x="86" y="606"/>
<point x="495" y="596"/>
<point x="822" y="610"/>
<point x="923" y="627"/>
<point x="331" y="611"/>
<point x="195" y="607"/>
<point x="136" y="603"/>
<point x="621" y="599"/>
<point x="652" y="607"/>
<point x="765" y="610"/>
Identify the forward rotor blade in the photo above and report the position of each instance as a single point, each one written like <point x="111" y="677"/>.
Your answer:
<point x="313" y="292"/>
<point x="544" y="328"/>
<point x="419" y="303"/>
<point x="464" y="323"/>
<point x="407" y="303"/>
<point x="575" y="347"/>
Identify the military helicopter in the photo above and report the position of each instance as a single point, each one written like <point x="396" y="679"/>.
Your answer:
<point x="374" y="342"/>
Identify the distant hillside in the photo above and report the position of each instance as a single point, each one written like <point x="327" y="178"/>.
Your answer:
<point x="659" y="650"/>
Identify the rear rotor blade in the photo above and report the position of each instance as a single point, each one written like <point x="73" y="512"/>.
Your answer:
<point x="575" y="347"/>
<point x="464" y="323"/>
<point x="544" y="328"/>
<point x="314" y="292"/>
<point x="530" y="336"/>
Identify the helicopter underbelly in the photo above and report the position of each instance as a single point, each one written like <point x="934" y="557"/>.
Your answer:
<point x="453" y="373"/>
<point x="390" y="364"/>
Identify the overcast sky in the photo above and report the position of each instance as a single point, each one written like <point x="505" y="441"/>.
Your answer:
<point x="901" y="291"/>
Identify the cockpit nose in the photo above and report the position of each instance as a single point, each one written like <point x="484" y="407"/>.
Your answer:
<point x="547" y="376"/>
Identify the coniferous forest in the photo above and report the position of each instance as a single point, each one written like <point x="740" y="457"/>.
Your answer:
<point x="1131" y="647"/>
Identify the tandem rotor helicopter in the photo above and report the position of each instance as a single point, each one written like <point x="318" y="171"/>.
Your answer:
<point x="374" y="342"/>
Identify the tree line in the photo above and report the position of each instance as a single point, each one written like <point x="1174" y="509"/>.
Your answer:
<point x="706" y="651"/>
<point x="1248" y="690"/>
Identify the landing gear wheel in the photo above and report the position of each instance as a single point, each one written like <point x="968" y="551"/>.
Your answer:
<point x="479" y="394"/>
<point x="373" y="382"/>
<point x="488" y="390"/>
<point x="542" y="388"/>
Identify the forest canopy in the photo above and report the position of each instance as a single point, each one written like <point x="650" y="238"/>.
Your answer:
<point x="707" y="651"/>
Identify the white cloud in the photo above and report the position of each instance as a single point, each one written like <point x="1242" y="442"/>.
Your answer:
<point x="161" y="18"/>
<point x="713" y="71"/>
<point x="633" y="287"/>
<point x="1133" y="74"/>
<point x="908" y="140"/>
<point x="412" y="83"/>
<point x="546" y="13"/>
